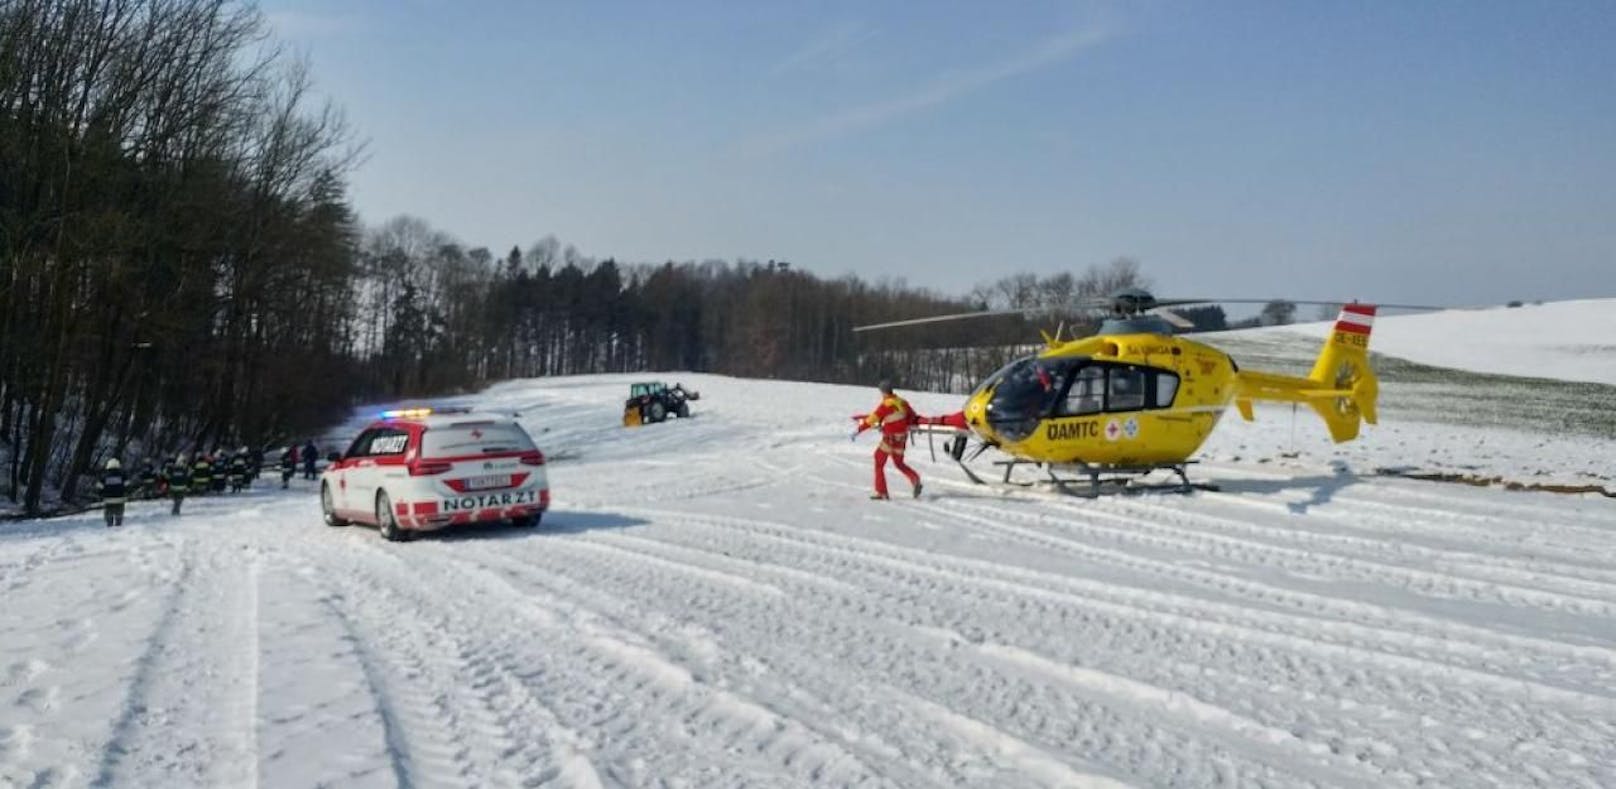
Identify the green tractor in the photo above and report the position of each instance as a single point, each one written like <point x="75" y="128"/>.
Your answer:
<point x="656" y="401"/>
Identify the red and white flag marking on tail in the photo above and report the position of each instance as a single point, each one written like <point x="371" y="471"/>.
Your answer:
<point x="1356" y="318"/>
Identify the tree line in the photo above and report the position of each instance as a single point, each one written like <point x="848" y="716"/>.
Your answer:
<point x="174" y="236"/>
<point x="181" y="268"/>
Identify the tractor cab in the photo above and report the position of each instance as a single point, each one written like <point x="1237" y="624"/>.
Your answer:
<point x="646" y="389"/>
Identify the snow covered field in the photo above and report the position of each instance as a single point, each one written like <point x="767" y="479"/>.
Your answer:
<point x="1568" y="340"/>
<point x="714" y="603"/>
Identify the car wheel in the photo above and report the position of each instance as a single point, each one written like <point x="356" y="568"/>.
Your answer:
<point x="385" y="522"/>
<point x="329" y="508"/>
<point x="659" y="411"/>
<point x="525" y="521"/>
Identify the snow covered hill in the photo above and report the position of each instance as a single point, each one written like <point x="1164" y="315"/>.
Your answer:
<point x="714" y="603"/>
<point x="1565" y="340"/>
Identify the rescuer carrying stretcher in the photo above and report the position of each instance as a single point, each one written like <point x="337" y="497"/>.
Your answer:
<point x="894" y="416"/>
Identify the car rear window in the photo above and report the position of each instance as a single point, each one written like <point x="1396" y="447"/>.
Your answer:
<point x="482" y="438"/>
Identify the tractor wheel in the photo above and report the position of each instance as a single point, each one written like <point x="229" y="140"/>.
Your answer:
<point x="657" y="411"/>
<point x="683" y="410"/>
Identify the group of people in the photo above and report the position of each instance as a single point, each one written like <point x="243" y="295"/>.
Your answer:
<point x="219" y="472"/>
<point x="233" y="471"/>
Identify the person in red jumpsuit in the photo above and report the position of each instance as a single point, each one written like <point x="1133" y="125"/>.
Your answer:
<point x="894" y="417"/>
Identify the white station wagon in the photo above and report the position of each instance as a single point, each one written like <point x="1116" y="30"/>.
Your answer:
<point x="418" y="470"/>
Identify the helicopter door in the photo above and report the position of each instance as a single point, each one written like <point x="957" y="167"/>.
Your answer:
<point x="1086" y="394"/>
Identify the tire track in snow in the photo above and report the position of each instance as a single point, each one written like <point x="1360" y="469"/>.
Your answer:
<point x="1483" y="694"/>
<point x="452" y="715"/>
<point x="1319" y="553"/>
<point x="1117" y="691"/>
<point x="1436" y="500"/>
<point x="1406" y="624"/>
<point x="797" y="704"/>
<point x="1169" y="530"/>
<point x="401" y="761"/>
<point x="1044" y="534"/>
<point x="1390" y="529"/>
<point x="718" y="730"/>
<point x="187" y="714"/>
<point x="1390" y="624"/>
<point x="116" y="749"/>
<point x="837" y="621"/>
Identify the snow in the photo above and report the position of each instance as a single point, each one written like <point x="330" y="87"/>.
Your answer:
<point x="714" y="603"/>
<point x="1565" y="340"/>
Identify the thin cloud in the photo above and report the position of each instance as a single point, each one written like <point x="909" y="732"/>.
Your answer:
<point x="308" y="24"/>
<point x="1041" y="55"/>
<point x="825" y="48"/>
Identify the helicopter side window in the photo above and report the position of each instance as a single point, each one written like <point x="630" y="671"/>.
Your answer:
<point x="1087" y="393"/>
<point x="1166" y="389"/>
<point x="1127" y="389"/>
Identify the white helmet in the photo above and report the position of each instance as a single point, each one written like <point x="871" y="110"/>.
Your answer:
<point x="113" y="464"/>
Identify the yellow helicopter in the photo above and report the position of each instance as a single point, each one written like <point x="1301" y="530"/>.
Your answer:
<point x="1135" y="398"/>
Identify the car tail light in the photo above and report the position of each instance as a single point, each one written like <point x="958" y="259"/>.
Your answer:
<point x="427" y="468"/>
<point x="534" y="458"/>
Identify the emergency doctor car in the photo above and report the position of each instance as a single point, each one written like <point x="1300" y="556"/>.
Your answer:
<point x="421" y="469"/>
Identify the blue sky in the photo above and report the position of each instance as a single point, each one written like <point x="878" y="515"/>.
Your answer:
<point x="1447" y="152"/>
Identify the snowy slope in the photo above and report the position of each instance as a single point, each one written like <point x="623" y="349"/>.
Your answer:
<point x="1566" y="340"/>
<point x="714" y="603"/>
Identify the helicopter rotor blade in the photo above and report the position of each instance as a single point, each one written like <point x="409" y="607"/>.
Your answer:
<point x="1298" y="302"/>
<point x="957" y="316"/>
<point x="1178" y="321"/>
<point x="1106" y="303"/>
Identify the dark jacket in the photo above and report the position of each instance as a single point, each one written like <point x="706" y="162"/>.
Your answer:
<point x="114" y="486"/>
<point x="178" y="476"/>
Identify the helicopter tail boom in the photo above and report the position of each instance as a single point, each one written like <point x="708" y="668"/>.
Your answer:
<point x="1342" y="388"/>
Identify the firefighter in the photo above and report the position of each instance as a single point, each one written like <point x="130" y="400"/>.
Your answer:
<point x="151" y="485"/>
<point x="238" y="471"/>
<point x="201" y="474"/>
<point x="893" y="417"/>
<point x="288" y="465"/>
<point x="221" y="469"/>
<point x="310" y="455"/>
<point x="255" y="463"/>
<point x="178" y="478"/>
<point x="114" y="490"/>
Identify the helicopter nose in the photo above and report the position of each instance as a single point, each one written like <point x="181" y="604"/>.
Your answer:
<point x="976" y="415"/>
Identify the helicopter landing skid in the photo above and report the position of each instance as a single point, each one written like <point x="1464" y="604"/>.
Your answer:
<point x="1096" y="480"/>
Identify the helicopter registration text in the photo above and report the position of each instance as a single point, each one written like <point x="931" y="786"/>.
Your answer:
<point x="1066" y="431"/>
<point x="1354" y="340"/>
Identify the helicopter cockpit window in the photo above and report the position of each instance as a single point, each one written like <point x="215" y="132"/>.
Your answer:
<point x="1024" y="394"/>
<point x="998" y="375"/>
<point x="1127" y="390"/>
<point x="1166" y="388"/>
<point x="1087" y="393"/>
